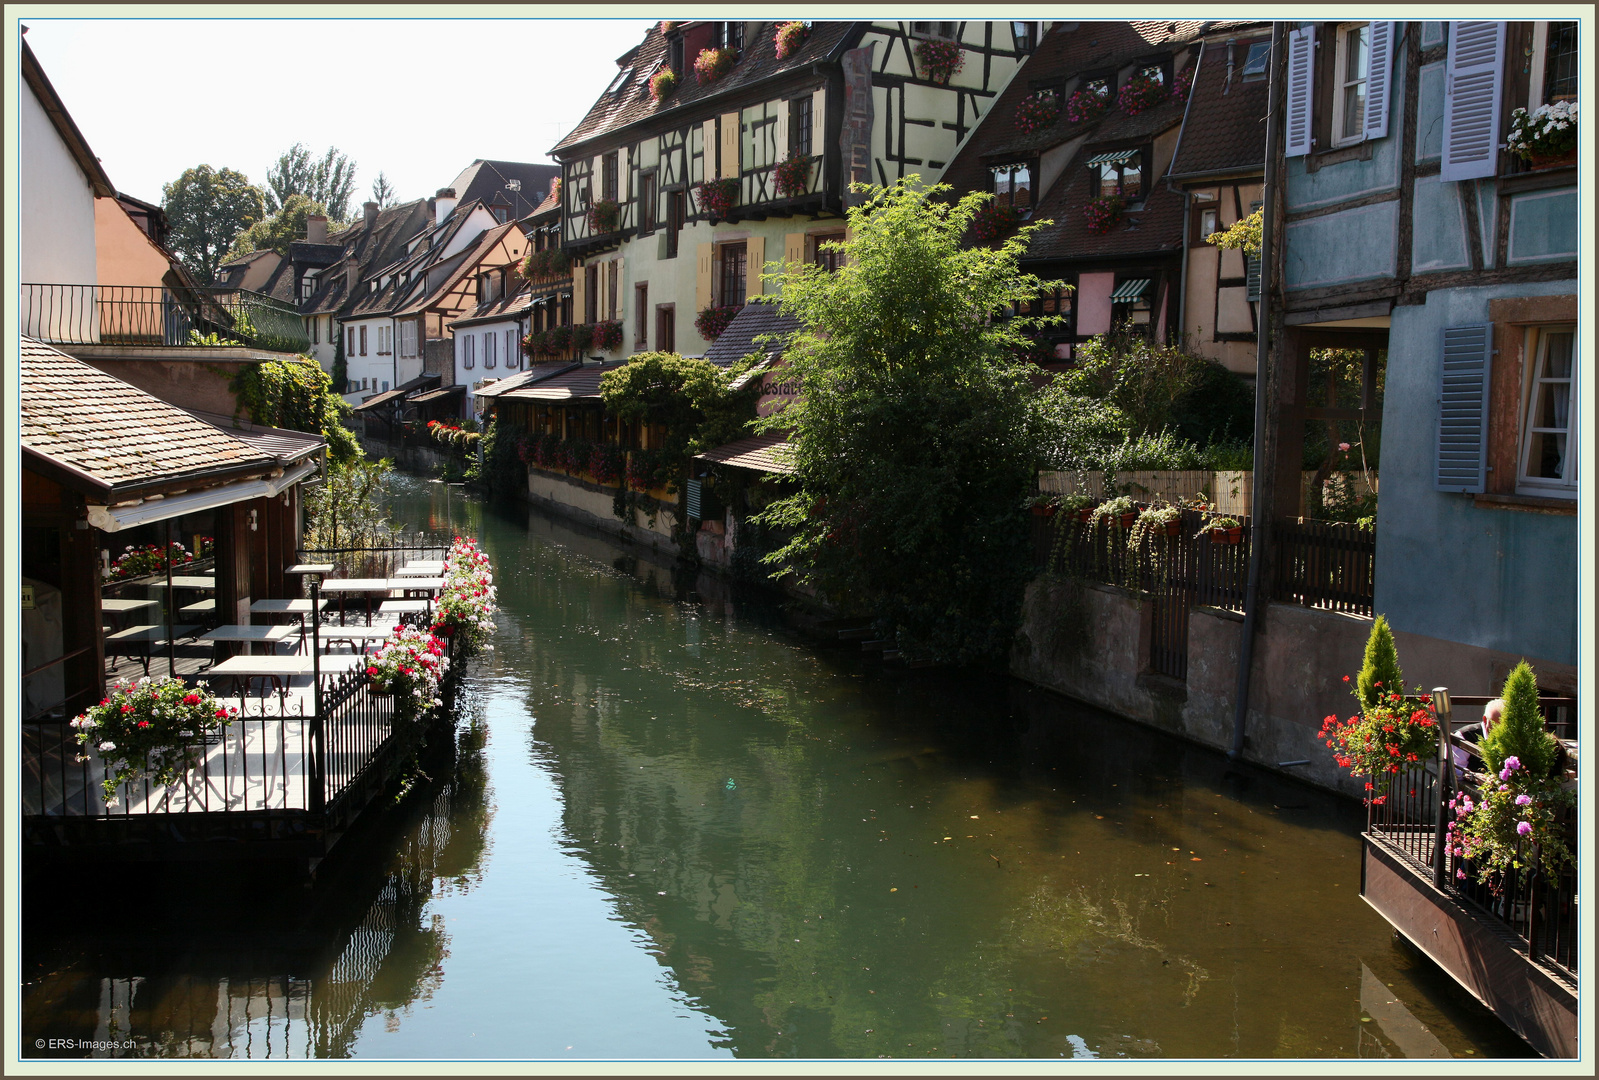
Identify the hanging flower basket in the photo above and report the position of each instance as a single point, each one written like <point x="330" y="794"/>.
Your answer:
<point x="1140" y="93"/>
<point x="714" y="320"/>
<point x="712" y="64"/>
<point x="604" y="215"/>
<point x="994" y="221"/>
<point x="1037" y="112"/>
<point x="940" y="60"/>
<point x="1104" y="213"/>
<point x="663" y="84"/>
<point x="1545" y="137"/>
<point x="1086" y="105"/>
<point x="150" y="728"/>
<point x="792" y="175"/>
<point x="718" y="197"/>
<point x="1183" y="84"/>
<point x="789" y="37"/>
<point x="559" y="340"/>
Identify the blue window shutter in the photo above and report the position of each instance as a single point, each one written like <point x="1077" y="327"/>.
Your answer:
<point x="1472" y="79"/>
<point x="1463" y="408"/>
<point x="1301" y="86"/>
<point x="1379" y="74"/>
<point x="693" y="499"/>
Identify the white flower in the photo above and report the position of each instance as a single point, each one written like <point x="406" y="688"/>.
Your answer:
<point x="107" y="747"/>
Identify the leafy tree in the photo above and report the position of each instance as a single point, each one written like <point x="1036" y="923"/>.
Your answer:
<point x="918" y="433"/>
<point x="1144" y="378"/>
<point x="691" y="398"/>
<point x="1242" y="235"/>
<point x="329" y="180"/>
<point x="1520" y="732"/>
<point x="1379" y="670"/>
<point x="277" y="232"/>
<point x="206" y="209"/>
<point x="382" y="192"/>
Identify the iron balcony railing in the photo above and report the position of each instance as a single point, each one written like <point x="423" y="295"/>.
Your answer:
<point x="156" y="315"/>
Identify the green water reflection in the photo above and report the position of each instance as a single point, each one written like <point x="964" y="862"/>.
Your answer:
<point x="668" y="826"/>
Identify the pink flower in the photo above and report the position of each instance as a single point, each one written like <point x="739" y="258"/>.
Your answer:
<point x="1343" y="446"/>
<point x="1523" y="828"/>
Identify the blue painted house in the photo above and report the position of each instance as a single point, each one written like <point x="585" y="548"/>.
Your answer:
<point x="1408" y="231"/>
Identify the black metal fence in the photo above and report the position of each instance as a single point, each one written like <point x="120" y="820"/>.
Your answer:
<point x="157" y="315"/>
<point x="376" y="560"/>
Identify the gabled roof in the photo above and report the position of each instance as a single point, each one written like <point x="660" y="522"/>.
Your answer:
<point x="1226" y="127"/>
<point x="755" y="320"/>
<point x="409" y="388"/>
<point x="422" y="297"/>
<point x="65" y="127"/>
<point x="373" y="246"/>
<point x="102" y="433"/>
<point x="631" y="101"/>
<point x="488" y="182"/>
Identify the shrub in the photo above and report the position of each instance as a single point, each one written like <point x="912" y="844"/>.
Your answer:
<point x="789" y="37"/>
<point x="1379" y="670"/>
<point x="714" y="320"/>
<point x="718" y="197"/>
<point x="1144" y="378"/>
<point x="792" y="175"/>
<point x="1219" y="407"/>
<point x="663" y="84"/>
<point x="1520" y="732"/>
<point x="712" y="64"/>
<point x="1037" y="111"/>
<point x="941" y="60"/>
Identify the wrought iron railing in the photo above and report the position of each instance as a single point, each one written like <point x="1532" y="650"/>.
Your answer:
<point x="156" y="315"/>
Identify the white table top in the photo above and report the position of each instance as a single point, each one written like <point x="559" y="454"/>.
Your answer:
<point x="199" y="607"/>
<point x="403" y="607"/>
<point x="338" y="664"/>
<point x="421" y="566"/>
<point x="283" y="607"/>
<point x="150" y="633"/>
<point x="349" y="585"/>
<point x="262" y="665"/>
<point x="310" y="568"/>
<point x="354" y="633"/>
<point x="237" y="632"/>
<point x="193" y="581"/>
<point x="123" y="606"/>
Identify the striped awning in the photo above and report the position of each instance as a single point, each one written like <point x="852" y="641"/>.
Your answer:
<point x="1113" y="157"/>
<point x="1128" y="291"/>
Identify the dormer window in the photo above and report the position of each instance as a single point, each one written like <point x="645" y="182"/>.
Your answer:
<point x="1155" y="72"/>
<point x="674" y="54"/>
<point x="730" y="35"/>
<point x="620" y="80"/>
<point x="1025" y="35"/>
<point x="1117" y="172"/>
<point x="1013" y="186"/>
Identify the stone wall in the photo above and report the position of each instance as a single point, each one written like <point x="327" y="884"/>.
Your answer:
<point x="591" y="504"/>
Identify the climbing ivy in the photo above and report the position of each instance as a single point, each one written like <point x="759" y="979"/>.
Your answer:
<point x="298" y="395"/>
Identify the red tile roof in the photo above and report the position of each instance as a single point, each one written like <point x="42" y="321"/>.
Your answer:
<point x="579" y="383"/>
<point x="763" y="453"/>
<point x="1226" y="126"/>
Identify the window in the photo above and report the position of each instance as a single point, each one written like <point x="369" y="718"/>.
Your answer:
<point x="613" y="299"/>
<point x="489" y="343"/>
<point x="730" y="35"/>
<point x="799" y="125"/>
<point x="733" y="274"/>
<point x="620" y="80"/>
<point x="385" y="386"/>
<point x="316" y="329"/>
<point x="591" y="293"/>
<point x="1553" y="64"/>
<point x="1255" y="62"/>
<point x="1013" y="186"/>
<point x="468" y="360"/>
<point x="1118" y="172"/>
<point x="674" y="54"/>
<point x="646" y="203"/>
<point x="946" y="30"/>
<point x="408" y="339"/>
<point x="608" y="176"/>
<point x="674" y="221"/>
<point x="665" y="328"/>
<point x="1349" y="89"/>
<point x="363" y="341"/>
<point x="350" y="348"/>
<point x="1025" y="34"/>
<point x="1548" y="464"/>
<point x="513" y="355"/>
<point x="1100" y="87"/>
<point x="641" y="316"/>
<point x="1157" y="72"/>
<point x="832" y="260"/>
<point x="1208" y="223"/>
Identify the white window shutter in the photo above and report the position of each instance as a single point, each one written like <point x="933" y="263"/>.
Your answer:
<point x="1378" y="79"/>
<point x="1471" y="99"/>
<point x="1463" y="408"/>
<point x="1301" y="84"/>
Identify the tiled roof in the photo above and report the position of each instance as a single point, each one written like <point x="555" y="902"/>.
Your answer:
<point x="579" y="382"/>
<point x="631" y="101"/>
<point x="378" y="246"/>
<point x="283" y="444"/>
<point x="486" y="182"/>
<point x="439" y="394"/>
<point x="425" y="381"/>
<point x="763" y="453"/>
<point x="1226" y="126"/>
<point x="472" y="255"/>
<point x="755" y="320"/>
<point x="116" y="434"/>
<point x="536" y="373"/>
<point x="506" y="307"/>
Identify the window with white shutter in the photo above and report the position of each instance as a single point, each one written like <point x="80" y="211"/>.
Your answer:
<point x="467" y="359"/>
<point x="1378" y="79"/>
<point x="1252" y="266"/>
<point x="1301" y="71"/>
<point x="1472" y="79"/>
<point x="1463" y="408"/>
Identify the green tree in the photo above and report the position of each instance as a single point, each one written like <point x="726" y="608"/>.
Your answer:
<point x="1520" y="732"/>
<point x="1379" y="669"/>
<point x="1146" y="379"/>
<point x="298" y="395"/>
<point x="277" y="232"/>
<point x="206" y="209"/>
<point x="918" y="433"/>
<point x="693" y="399"/>
<point x="1242" y="235"/>
<point x="329" y="180"/>
<point x="382" y="192"/>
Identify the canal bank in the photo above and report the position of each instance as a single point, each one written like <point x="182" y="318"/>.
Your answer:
<point x="673" y="828"/>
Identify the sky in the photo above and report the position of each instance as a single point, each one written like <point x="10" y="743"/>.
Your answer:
<point x="417" y="99"/>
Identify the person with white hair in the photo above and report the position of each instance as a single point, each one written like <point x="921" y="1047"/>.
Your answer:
<point x="1491" y="715"/>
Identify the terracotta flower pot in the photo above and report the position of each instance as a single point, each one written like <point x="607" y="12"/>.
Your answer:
<point x="1173" y="528"/>
<point x="1045" y="510"/>
<point x="1086" y="514"/>
<point x="1128" y="519"/>
<point x="1234" y="535"/>
<point x="1552" y="161"/>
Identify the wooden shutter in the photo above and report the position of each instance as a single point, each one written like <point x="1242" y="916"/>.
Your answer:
<point x="579" y="291"/>
<point x="1378" y="78"/>
<point x="702" y="276"/>
<point x="794" y="247"/>
<point x="708" y="145"/>
<point x="755" y="259"/>
<point x="1301" y="85"/>
<point x="818" y="122"/>
<point x="780" y="145"/>
<point x="730" y="133"/>
<point x="1471" y="99"/>
<point x="1463" y="408"/>
<point x="1252" y="266"/>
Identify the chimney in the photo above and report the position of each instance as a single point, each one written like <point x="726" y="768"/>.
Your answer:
<point x="370" y="209"/>
<point x="316" y="229"/>
<point x="352" y="275"/>
<point x="443" y="203"/>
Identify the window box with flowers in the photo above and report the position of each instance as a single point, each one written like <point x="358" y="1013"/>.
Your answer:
<point x="1139" y="93"/>
<point x="604" y="215"/>
<point x="792" y="175"/>
<point x="714" y="320"/>
<point x="718" y="197"/>
<point x="789" y="37"/>
<point x="582" y="336"/>
<point x="940" y="60"/>
<point x="1104" y="213"/>
<point x="663" y="84"/>
<point x="1183" y="84"/>
<point x="606" y="335"/>
<point x="712" y="64"/>
<point x="994" y="221"/>
<point x="558" y="340"/>
<point x="1086" y="105"/>
<point x="409" y="666"/>
<point x="1037" y="111"/>
<point x="153" y="728"/>
<point x="1546" y="137"/>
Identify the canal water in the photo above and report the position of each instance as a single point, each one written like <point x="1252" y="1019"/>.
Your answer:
<point x="666" y="825"/>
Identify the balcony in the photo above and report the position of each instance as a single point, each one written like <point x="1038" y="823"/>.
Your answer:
<point x="145" y="316"/>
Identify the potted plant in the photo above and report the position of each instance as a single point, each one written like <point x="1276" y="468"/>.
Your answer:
<point x="1390" y="733"/>
<point x="1042" y="505"/>
<point x="608" y="335"/>
<point x="465" y="611"/>
<point x="1546" y="137"/>
<point x="789" y="37"/>
<point x="792" y="175"/>
<point x="712" y="64"/>
<point x="150" y="728"/>
<point x="1085" y="105"/>
<point x="1222" y="530"/>
<point x="582" y="336"/>
<point x="994" y="221"/>
<point x="718" y="197"/>
<point x="663" y="84"/>
<point x="604" y="215"/>
<point x="1154" y="521"/>
<point x="1104" y="213"/>
<point x="1120" y="512"/>
<point x="410" y="666"/>
<point x="713" y="320"/>
<point x="560" y="340"/>
<point x="1139" y="93"/>
<point x="1037" y="111"/>
<point x="941" y="60"/>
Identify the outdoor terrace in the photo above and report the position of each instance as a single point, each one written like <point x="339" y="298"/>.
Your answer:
<point x="150" y="316"/>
